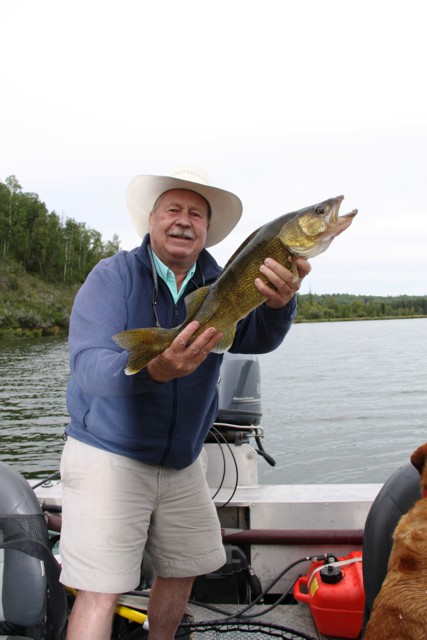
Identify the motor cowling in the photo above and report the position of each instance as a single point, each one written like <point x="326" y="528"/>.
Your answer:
<point x="239" y="390"/>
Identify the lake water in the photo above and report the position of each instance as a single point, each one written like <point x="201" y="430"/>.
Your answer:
<point x="345" y="401"/>
<point x="342" y="402"/>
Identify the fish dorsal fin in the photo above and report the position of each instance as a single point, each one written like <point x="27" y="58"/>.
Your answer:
<point x="242" y="246"/>
<point x="194" y="301"/>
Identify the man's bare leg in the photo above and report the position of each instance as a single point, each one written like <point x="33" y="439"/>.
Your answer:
<point x="166" y="606"/>
<point x="92" y="616"/>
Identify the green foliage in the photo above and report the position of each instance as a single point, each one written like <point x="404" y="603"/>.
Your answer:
<point x="43" y="261"/>
<point x="321" y="308"/>
<point x="30" y="306"/>
<point x="43" y="243"/>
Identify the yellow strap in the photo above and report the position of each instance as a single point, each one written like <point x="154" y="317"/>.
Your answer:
<point x="131" y="614"/>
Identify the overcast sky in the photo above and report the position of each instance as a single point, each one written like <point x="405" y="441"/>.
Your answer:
<point x="286" y="103"/>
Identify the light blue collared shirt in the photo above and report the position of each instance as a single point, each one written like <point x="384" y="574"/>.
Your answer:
<point x="168" y="276"/>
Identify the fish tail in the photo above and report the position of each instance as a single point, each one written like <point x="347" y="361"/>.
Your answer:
<point x="143" y="345"/>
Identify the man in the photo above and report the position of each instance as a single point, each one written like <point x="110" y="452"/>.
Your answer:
<point x="133" y="464"/>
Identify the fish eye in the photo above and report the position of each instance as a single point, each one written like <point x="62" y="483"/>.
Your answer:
<point x="320" y="209"/>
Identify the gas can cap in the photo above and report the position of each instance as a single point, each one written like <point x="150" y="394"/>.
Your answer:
<point x="331" y="574"/>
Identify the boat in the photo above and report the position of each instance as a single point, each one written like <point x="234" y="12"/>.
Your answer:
<point x="294" y="552"/>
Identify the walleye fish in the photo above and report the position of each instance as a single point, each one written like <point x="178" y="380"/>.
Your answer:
<point x="306" y="233"/>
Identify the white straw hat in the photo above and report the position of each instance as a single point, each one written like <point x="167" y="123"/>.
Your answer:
<point x="143" y="191"/>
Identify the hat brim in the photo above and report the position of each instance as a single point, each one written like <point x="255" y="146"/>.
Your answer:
<point x="143" y="191"/>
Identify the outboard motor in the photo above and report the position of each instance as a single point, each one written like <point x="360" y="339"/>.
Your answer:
<point x="29" y="573"/>
<point x="239" y="403"/>
<point x="239" y="390"/>
<point x="232" y="463"/>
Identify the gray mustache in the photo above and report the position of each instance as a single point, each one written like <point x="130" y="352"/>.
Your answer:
<point x="188" y="235"/>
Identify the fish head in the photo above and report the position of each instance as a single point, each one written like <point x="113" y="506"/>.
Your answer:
<point x="310" y="231"/>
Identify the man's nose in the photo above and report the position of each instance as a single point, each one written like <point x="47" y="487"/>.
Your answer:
<point x="184" y="218"/>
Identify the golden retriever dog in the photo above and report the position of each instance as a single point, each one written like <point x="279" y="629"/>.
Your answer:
<point x="400" y="609"/>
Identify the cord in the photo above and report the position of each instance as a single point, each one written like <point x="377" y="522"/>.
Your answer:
<point x="235" y="466"/>
<point x="240" y="614"/>
<point x="224" y="466"/>
<point x="53" y="476"/>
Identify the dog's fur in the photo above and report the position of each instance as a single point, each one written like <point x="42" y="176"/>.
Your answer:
<point x="400" y="609"/>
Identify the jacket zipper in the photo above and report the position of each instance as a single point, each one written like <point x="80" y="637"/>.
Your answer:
<point x="174" y="409"/>
<point x="175" y="385"/>
<point x="172" y="424"/>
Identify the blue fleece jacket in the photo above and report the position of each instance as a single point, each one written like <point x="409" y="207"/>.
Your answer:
<point x="159" y="424"/>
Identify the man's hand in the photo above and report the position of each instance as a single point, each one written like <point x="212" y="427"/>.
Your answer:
<point x="182" y="358"/>
<point x="282" y="280"/>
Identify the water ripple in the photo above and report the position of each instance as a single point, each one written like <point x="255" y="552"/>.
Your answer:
<point x="33" y="380"/>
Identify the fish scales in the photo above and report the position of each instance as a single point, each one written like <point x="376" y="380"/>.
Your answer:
<point x="233" y="296"/>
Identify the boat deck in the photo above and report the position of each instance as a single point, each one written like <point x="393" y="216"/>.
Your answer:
<point x="296" y="617"/>
<point x="279" y="507"/>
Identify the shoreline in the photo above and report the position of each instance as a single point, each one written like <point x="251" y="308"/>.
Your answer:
<point x="61" y="332"/>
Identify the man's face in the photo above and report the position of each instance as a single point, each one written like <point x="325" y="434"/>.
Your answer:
<point x="178" y="227"/>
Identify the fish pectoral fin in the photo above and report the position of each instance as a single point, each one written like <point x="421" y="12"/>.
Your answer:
<point x="226" y="341"/>
<point x="294" y="271"/>
<point x="194" y="301"/>
<point x="143" y="345"/>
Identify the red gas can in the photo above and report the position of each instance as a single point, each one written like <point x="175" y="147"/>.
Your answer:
<point x="335" y="594"/>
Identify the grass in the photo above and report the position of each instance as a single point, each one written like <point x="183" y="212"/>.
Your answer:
<point x="31" y="307"/>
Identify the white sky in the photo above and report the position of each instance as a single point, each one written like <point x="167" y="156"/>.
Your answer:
<point x="286" y="103"/>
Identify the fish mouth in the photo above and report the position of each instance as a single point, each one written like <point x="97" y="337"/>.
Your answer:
<point x="336" y="223"/>
<point x="331" y="223"/>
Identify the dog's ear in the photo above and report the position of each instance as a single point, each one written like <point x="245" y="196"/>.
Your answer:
<point x="418" y="458"/>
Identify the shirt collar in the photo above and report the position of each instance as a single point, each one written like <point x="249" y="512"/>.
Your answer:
<point x="168" y="276"/>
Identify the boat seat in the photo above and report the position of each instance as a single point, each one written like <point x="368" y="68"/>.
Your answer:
<point x="395" y="498"/>
<point x="31" y="597"/>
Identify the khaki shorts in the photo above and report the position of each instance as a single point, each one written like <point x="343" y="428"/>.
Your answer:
<point x="114" y="507"/>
